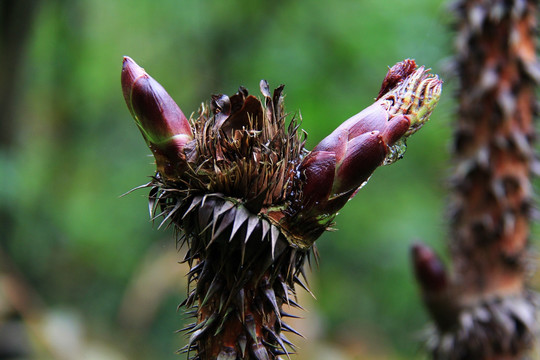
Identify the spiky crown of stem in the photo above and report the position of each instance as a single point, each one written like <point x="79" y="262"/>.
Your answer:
<point x="244" y="150"/>
<point x="250" y="201"/>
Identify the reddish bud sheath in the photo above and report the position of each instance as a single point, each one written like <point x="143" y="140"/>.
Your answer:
<point x="163" y="125"/>
<point x="364" y="154"/>
<point x="375" y="136"/>
<point x="428" y="268"/>
<point x="396" y="74"/>
<point x="319" y="171"/>
<point x="346" y="158"/>
<point x="438" y="292"/>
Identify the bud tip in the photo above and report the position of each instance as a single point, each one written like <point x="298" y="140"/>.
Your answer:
<point x="429" y="269"/>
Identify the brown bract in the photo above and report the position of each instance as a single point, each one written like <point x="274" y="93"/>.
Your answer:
<point x="395" y="75"/>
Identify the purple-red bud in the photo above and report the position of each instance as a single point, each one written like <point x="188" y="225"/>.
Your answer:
<point x="343" y="161"/>
<point x="162" y="123"/>
<point x="364" y="154"/>
<point x="395" y="129"/>
<point x="396" y="74"/>
<point x="428" y="268"/>
<point x="438" y="291"/>
<point x="346" y="158"/>
<point x="319" y="169"/>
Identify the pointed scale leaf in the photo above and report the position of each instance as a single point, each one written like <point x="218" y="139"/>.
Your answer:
<point x="205" y="213"/>
<point x="316" y="256"/>
<point x="240" y="304"/>
<point x="256" y="203"/>
<point x="278" y="339"/>
<point x="265" y="227"/>
<point x="286" y="314"/>
<point x="202" y="324"/>
<point x="295" y="304"/>
<point x="183" y="350"/>
<point x="243" y="252"/>
<point x="239" y="219"/>
<point x="206" y="273"/>
<point x="274" y="234"/>
<point x="251" y="225"/>
<point x="249" y="323"/>
<point x="218" y="211"/>
<point x="187" y="328"/>
<point x="260" y="352"/>
<point x="228" y="219"/>
<point x="196" y="201"/>
<point x="271" y="296"/>
<point x="285" y="289"/>
<point x="215" y="286"/>
<point x="195" y="269"/>
<point x="223" y="320"/>
<point x="227" y="353"/>
<point x="242" y="343"/>
<point x="292" y="263"/>
<point x="278" y="352"/>
<point x="162" y="213"/>
<point x="194" y="337"/>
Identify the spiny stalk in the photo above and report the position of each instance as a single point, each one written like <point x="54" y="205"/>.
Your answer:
<point x="483" y="309"/>
<point x="248" y="200"/>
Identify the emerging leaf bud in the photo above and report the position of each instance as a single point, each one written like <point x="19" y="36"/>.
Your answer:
<point x="438" y="291"/>
<point x="428" y="268"/>
<point x="163" y="125"/>
<point x="343" y="161"/>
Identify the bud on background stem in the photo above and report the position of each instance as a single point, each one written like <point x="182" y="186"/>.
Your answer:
<point x="486" y="311"/>
<point x="437" y="291"/>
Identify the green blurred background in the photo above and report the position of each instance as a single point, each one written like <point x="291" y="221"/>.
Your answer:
<point x="86" y="271"/>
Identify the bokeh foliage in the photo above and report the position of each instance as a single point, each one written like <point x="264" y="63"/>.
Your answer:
<point x="76" y="149"/>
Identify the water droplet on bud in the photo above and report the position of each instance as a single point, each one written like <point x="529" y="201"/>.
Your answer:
<point x="395" y="152"/>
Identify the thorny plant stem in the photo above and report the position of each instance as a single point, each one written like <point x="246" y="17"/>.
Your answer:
<point x="483" y="310"/>
<point x="249" y="201"/>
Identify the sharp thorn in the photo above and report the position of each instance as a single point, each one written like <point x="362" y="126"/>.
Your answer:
<point x="239" y="219"/>
<point x="196" y="201"/>
<point x="290" y="329"/>
<point x="274" y="234"/>
<point x="242" y="342"/>
<point x="304" y="286"/>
